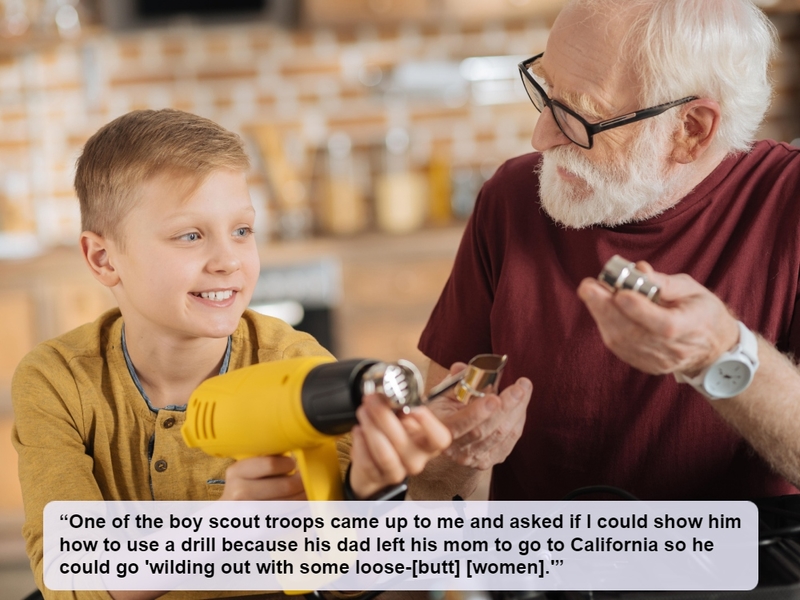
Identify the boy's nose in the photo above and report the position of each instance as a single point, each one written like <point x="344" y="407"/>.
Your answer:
<point x="224" y="259"/>
<point x="546" y="133"/>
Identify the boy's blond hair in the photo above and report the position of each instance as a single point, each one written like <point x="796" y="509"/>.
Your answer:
<point x="135" y="147"/>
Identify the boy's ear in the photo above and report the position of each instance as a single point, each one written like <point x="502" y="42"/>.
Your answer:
<point x="699" y="123"/>
<point x="95" y="249"/>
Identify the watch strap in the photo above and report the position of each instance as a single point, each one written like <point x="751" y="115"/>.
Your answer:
<point x="746" y="348"/>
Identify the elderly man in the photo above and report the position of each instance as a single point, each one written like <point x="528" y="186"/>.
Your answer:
<point x="648" y="112"/>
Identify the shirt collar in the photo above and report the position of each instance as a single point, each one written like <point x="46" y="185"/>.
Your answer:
<point x="222" y="370"/>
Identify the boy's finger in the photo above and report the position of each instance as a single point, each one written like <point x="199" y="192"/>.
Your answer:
<point x="380" y="448"/>
<point x="427" y="431"/>
<point x="258" y="467"/>
<point x="384" y="419"/>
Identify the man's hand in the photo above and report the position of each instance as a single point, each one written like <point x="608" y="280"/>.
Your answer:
<point x="486" y="429"/>
<point x="687" y="331"/>
<point x="263" y="478"/>
<point x="484" y="432"/>
<point x="388" y="447"/>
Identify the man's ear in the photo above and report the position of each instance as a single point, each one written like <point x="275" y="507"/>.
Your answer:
<point x="699" y="123"/>
<point x="95" y="249"/>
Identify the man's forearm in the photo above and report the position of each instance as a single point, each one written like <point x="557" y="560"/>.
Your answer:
<point x="443" y="479"/>
<point x="767" y="414"/>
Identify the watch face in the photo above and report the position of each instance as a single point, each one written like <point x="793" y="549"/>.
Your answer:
<point x="727" y="378"/>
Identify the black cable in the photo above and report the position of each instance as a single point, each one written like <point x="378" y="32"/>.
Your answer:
<point x="771" y="536"/>
<point x="775" y="535"/>
<point x="600" y="489"/>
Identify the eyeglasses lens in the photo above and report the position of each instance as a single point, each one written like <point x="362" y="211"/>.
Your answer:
<point x="572" y="128"/>
<point x="533" y="94"/>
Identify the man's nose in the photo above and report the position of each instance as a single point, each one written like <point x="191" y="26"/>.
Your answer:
<point x="546" y="133"/>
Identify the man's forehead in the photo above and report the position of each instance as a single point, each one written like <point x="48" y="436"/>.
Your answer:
<point x="583" y="59"/>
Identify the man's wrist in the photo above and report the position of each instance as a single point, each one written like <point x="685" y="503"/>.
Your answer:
<point x="729" y="342"/>
<point x="443" y="479"/>
<point x="731" y="373"/>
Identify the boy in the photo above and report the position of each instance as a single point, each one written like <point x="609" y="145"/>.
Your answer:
<point x="168" y="228"/>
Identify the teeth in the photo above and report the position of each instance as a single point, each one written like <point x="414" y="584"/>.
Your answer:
<point x="216" y="296"/>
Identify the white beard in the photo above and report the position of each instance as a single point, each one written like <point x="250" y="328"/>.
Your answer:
<point x="608" y="195"/>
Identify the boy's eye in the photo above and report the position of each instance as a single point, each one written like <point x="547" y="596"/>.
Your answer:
<point x="242" y="231"/>
<point x="190" y="237"/>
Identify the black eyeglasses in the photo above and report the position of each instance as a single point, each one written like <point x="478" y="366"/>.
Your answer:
<point x="577" y="129"/>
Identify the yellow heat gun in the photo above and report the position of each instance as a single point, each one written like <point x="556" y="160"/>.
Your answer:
<point x="298" y="406"/>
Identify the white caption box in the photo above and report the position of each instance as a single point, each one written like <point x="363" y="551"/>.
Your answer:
<point x="401" y="545"/>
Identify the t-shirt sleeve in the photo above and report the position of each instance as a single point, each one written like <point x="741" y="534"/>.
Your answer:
<point x="459" y="326"/>
<point x="54" y="463"/>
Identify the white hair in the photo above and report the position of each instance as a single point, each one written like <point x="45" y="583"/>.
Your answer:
<point x="717" y="49"/>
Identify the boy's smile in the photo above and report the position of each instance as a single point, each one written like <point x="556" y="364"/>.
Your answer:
<point x="189" y="263"/>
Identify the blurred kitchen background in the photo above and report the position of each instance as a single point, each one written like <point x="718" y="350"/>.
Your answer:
<point x="371" y="124"/>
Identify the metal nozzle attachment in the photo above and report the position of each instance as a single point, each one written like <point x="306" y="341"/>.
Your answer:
<point x="621" y="274"/>
<point x="402" y="386"/>
<point x="481" y="377"/>
<point x="400" y="383"/>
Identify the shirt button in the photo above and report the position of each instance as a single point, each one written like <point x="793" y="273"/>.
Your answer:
<point x="161" y="466"/>
<point x="168" y="422"/>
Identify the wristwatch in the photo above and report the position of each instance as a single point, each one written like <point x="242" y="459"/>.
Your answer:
<point x="731" y="373"/>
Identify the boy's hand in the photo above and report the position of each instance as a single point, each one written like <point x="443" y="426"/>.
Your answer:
<point x="388" y="447"/>
<point x="263" y="478"/>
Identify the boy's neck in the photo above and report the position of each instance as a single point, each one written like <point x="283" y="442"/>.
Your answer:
<point x="169" y="369"/>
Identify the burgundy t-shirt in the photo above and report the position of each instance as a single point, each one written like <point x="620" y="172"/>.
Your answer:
<point x="592" y="419"/>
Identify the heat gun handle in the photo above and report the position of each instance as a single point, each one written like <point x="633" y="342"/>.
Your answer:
<point x="319" y="470"/>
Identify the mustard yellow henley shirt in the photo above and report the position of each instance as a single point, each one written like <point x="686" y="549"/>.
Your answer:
<point x="83" y="431"/>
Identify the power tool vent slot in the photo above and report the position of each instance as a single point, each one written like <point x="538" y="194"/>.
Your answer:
<point x="204" y="420"/>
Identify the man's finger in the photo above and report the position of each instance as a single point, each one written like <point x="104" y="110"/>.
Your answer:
<point x="599" y="301"/>
<point x="457" y="367"/>
<point x="672" y="288"/>
<point x="471" y="416"/>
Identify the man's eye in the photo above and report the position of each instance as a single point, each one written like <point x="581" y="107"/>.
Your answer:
<point x="190" y="237"/>
<point x="243" y="231"/>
